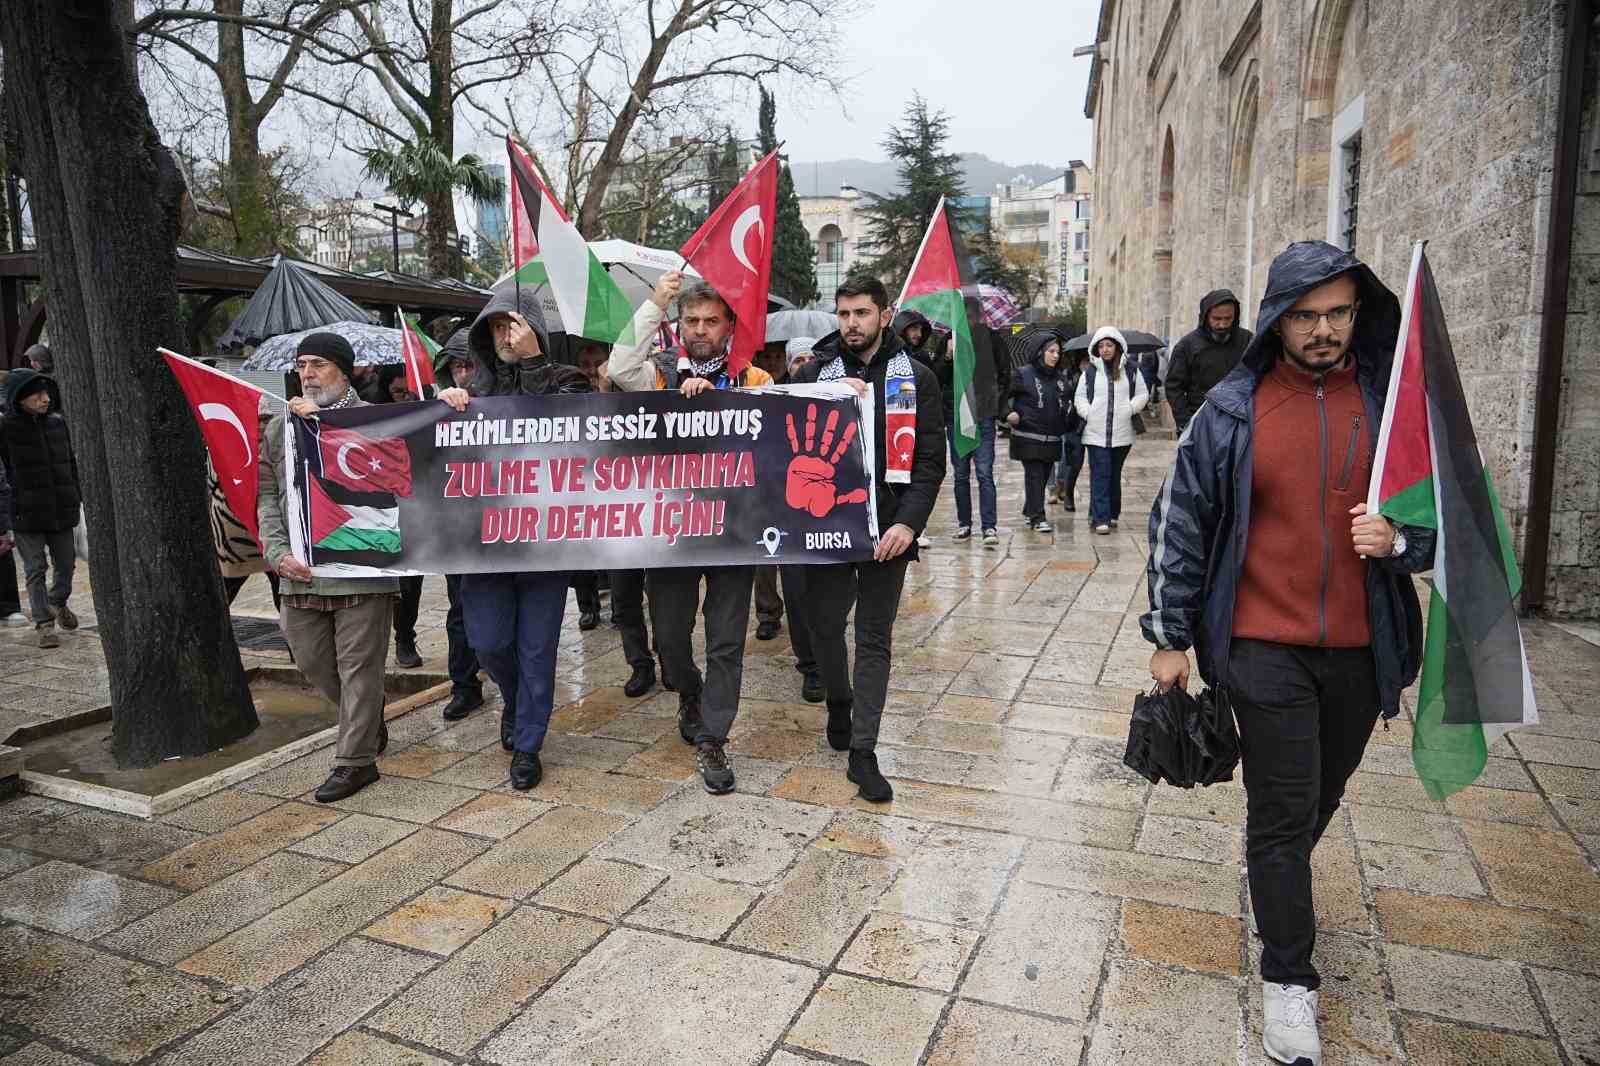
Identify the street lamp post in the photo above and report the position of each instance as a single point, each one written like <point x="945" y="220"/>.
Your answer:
<point x="395" y="215"/>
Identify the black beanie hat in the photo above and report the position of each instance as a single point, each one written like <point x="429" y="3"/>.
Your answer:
<point x="332" y="347"/>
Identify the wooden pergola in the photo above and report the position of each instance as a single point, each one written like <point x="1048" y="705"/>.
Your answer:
<point x="219" y="277"/>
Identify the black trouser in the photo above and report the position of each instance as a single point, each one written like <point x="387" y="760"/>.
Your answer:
<point x="1304" y="715"/>
<point x="406" y="608"/>
<point x="1035" y="472"/>
<point x="873" y="589"/>
<point x="463" y="660"/>
<point x="10" y="602"/>
<point x="796" y="589"/>
<point x="586" y="585"/>
<point x="769" y="605"/>
<point x="674" y="596"/>
<point x="230" y="585"/>
<point x="627" y="611"/>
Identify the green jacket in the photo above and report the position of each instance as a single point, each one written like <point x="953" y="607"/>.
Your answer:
<point x="275" y="528"/>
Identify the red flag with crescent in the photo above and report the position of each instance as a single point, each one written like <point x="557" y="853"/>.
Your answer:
<point x="364" y="464"/>
<point x="415" y="355"/>
<point x="226" y="410"/>
<point x="732" y="250"/>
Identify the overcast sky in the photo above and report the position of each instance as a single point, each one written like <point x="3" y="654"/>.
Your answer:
<point x="1003" y="69"/>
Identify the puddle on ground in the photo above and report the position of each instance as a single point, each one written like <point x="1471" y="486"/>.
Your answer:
<point x="287" y="713"/>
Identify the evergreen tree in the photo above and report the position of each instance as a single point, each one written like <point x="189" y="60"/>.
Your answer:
<point x="895" y="224"/>
<point x="794" y="274"/>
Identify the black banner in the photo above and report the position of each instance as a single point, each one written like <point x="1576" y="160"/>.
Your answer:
<point x="591" y="482"/>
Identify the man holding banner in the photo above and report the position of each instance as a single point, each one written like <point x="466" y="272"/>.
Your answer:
<point x="514" y="620"/>
<point x="338" y="628"/>
<point x="909" y="468"/>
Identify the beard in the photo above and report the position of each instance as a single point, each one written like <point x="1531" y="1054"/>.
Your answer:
<point x="702" y="351"/>
<point x="1318" y="359"/>
<point x="1220" y="336"/>
<point x="859" y="341"/>
<point x="322" y="395"/>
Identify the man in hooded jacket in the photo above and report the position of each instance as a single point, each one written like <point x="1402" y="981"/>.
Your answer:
<point x="1205" y="354"/>
<point x="1296" y="602"/>
<point x="513" y="621"/>
<point x="991" y="383"/>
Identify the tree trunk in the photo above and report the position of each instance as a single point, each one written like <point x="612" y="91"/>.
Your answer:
<point x="105" y="197"/>
<point x="243" y="183"/>
<point x="440" y="223"/>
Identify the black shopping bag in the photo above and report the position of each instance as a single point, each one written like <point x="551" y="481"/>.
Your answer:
<point x="1181" y="739"/>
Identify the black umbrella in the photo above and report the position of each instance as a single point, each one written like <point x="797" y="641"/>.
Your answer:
<point x="1182" y="739"/>
<point x="289" y="300"/>
<point x="1019" y="340"/>
<point x="1138" y="341"/>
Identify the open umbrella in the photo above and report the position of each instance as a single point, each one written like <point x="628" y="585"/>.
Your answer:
<point x="289" y="299"/>
<point x="786" y="325"/>
<point x="636" y="268"/>
<point x="374" y="346"/>
<point x="1138" y="341"/>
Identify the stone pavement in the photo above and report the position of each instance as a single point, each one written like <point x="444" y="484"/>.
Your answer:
<point x="1025" y="899"/>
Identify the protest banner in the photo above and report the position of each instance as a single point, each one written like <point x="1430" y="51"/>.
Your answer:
<point x="589" y="482"/>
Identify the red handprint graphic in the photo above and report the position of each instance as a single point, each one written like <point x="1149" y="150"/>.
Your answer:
<point x="810" y="487"/>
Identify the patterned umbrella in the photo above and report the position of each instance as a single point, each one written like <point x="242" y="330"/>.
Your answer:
<point x="999" y="308"/>
<point x="374" y="345"/>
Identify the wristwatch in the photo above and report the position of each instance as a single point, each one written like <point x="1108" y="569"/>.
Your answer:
<point x="1399" y="545"/>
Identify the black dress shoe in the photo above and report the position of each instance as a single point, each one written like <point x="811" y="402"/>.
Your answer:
<point x="346" y="781"/>
<point x="666" y="678"/>
<point x="526" y="770"/>
<point x="405" y="653"/>
<point x="462" y="704"/>
<point x="383" y="737"/>
<point x="688" y="717"/>
<point x="642" y="681"/>
<point x="508" y="728"/>
<point x="812" y="689"/>
<point x="839" y="726"/>
<point x="588" y="620"/>
<point x="767" y="629"/>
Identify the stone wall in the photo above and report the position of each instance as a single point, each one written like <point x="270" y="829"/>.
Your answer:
<point x="1458" y="102"/>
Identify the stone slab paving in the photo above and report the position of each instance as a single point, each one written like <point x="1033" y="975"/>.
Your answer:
<point x="1025" y="899"/>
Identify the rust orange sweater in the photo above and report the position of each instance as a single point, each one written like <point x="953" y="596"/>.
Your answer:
<point x="1303" y="583"/>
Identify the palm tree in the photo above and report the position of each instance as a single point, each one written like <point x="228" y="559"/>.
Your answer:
<point x="421" y="171"/>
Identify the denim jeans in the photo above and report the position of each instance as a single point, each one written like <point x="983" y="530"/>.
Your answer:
<point x="1105" y="483"/>
<point x="984" y="454"/>
<point x="1305" y="716"/>
<point x="514" y="624"/>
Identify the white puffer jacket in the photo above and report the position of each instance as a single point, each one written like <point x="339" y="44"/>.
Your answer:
<point x="1109" y="418"/>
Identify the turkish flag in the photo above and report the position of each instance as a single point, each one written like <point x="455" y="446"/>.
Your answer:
<point x="732" y="250"/>
<point x="414" y="353"/>
<point x="364" y="464"/>
<point x="226" y="410"/>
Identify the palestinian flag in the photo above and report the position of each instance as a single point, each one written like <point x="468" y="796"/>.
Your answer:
<point x="417" y="351"/>
<point x="547" y="248"/>
<point x="934" y="288"/>
<point x="1475" y="683"/>
<point x="342" y="521"/>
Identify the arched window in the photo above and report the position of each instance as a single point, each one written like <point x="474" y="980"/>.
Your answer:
<point x="1161" y="291"/>
<point x="1241" y="185"/>
<point x="830" y="244"/>
<point x="1334" y="96"/>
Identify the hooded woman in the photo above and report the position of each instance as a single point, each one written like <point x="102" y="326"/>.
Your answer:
<point x="1041" y="406"/>
<point x="1109" y="395"/>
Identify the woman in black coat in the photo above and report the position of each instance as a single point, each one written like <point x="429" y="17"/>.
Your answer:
<point x="1041" y="405"/>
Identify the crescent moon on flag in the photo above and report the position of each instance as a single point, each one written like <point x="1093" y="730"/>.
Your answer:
<point x="344" y="463"/>
<point x="221" y="412"/>
<point x="750" y="218"/>
<point x="904" y="429"/>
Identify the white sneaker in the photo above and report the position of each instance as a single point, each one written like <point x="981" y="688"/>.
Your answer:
<point x="15" y="618"/>
<point x="1103" y="529"/>
<point x="1289" y="1033"/>
<point x="924" y="541"/>
<point x="962" y="533"/>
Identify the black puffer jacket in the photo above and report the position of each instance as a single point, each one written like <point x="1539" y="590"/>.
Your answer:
<point x="1042" y="400"/>
<point x="1199" y="360"/>
<point x="38" y="458"/>
<point x="540" y="376"/>
<point x="1200" y="523"/>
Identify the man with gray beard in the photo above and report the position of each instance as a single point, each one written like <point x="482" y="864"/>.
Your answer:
<point x="338" y="628"/>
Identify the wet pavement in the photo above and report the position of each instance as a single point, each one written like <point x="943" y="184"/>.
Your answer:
<point x="1024" y="899"/>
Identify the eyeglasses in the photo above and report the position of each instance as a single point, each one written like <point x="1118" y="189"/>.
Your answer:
<point x="1339" y="319"/>
<point x="316" y="366"/>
